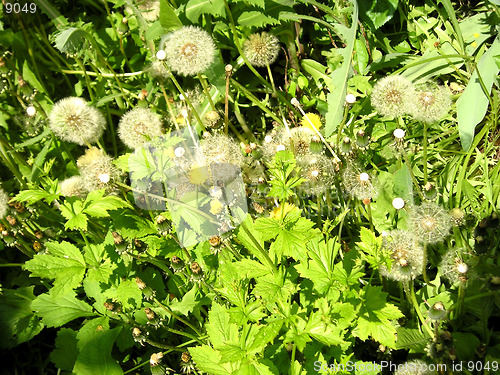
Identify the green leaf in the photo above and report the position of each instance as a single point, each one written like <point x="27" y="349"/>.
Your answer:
<point x="188" y="303"/>
<point x="256" y="18"/>
<point x="371" y="249"/>
<point x="30" y="77"/>
<point x="18" y="324"/>
<point x="99" y="264"/>
<point x="66" y="352"/>
<point x="95" y="356"/>
<point x="375" y="317"/>
<point x="377" y="13"/>
<point x="340" y="76"/>
<point x="219" y="329"/>
<point x="208" y="360"/>
<point x="248" y="268"/>
<point x="98" y="206"/>
<point x="72" y="209"/>
<point x="319" y="266"/>
<point x="57" y="310"/>
<point x="477" y="92"/>
<point x="168" y="18"/>
<point x="195" y="8"/>
<point x="403" y="185"/>
<point x="411" y="339"/>
<point x="127" y="293"/>
<point x="62" y="262"/>
<point x="71" y="40"/>
<point x="33" y="196"/>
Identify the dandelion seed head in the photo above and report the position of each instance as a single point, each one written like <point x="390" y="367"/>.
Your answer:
<point x="219" y="148"/>
<point x="261" y="49"/>
<point x="430" y="103"/>
<point x="161" y="54"/>
<point x="31" y="111"/>
<point x="97" y="170"/>
<point x="150" y="9"/>
<point x="430" y="222"/>
<point x="391" y="94"/>
<point x="406" y="254"/>
<point x="280" y="148"/>
<point x="73" y="187"/>
<point x="138" y="126"/>
<point x="179" y="152"/>
<point x="359" y="184"/>
<point x="452" y="266"/>
<point x="399" y="133"/>
<point x="73" y="120"/>
<point x="398" y="203"/>
<point x="189" y="50"/>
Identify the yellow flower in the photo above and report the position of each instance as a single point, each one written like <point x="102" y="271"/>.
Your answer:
<point x="276" y="213"/>
<point x="198" y="174"/>
<point x="311" y="118"/>
<point x="215" y="207"/>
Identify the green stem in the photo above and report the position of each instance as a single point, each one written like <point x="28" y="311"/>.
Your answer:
<point x="425" y="153"/>
<point x="424" y="267"/>
<point x="206" y="90"/>
<point x="182" y="320"/>
<point x="413" y="299"/>
<point x="190" y="105"/>
<point x="261" y="250"/>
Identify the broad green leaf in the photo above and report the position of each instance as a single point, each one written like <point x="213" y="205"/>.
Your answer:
<point x="154" y="31"/>
<point x="219" y="329"/>
<point x="65" y="353"/>
<point x="273" y="287"/>
<point x="168" y="17"/>
<point x="72" y="209"/>
<point x="187" y="304"/>
<point x="71" y="40"/>
<point x="208" y="359"/>
<point x="195" y="8"/>
<point x="62" y="262"/>
<point x="98" y="206"/>
<point x="375" y="317"/>
<point x="249" y="268"/>
<point x="266" y="334"/>
<point x="95" y="356"/>
<point x="403" y="185"/>
<point x="340" y="76"/>
<point x="477" y="92"/>
<point x="130" y="225"/>
<point x="256" y="18"/>
<point x="18" y="324"/>
<point x="127" y="293"/>
<point x="377" y="13"/>
<point x="99" y="264"/>
<point x="57" y="310"/>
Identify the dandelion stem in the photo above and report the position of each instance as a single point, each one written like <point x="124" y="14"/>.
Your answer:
<point x="206" y="91"/>
<point x="369" y="211"/>
<point x="105" y="75"/>
<point x="163" y="346"/>
<point x="226" y="98"/>
<point x="413" y="299"/>
<point x="425" y="153"/>
<point x="190" y="105"/>
<point x="461" y="299"/>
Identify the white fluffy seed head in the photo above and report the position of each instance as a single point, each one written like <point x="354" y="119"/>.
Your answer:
<point x="189" y="50"/>
<point x="399" y="133"/>
<point x="261" y="49"/>
<point x="462" y="268"/>
<point x="280" y="148"/>
<point x="398" y="203"/>
<point x="4" y="203"/>
<point x="364" y="177"/>
<point x="73" y="120"/>
<point x="390" y="95"/>
<point x="139" y="126"/>
<point x="72" y="186"/>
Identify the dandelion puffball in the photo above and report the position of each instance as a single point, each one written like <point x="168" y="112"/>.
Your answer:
<point x="398" y="203"/>
<point x="189" y="50"/>
<point x="390" y="95"/>
<point x="139" y="126"/>
<point x="73" y="120"/>
<point x="261" y="49"/>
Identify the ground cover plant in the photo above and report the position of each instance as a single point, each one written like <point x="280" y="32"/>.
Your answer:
<point x="249" y="187"/>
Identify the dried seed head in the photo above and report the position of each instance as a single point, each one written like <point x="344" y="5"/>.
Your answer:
<point x="97" y="170"/>
<point x="189" y="50"/>
<point x="176" y="263"/>
<point x="220" y="149"/>
<point x="73" y="120"/>
<point x="139" y="126"/>
<point x="261" y="49"/>
<point x="150" y="9"/>
<point x="430" y="103"/>
<point x="73" y="187"/>
<point x="358" y="183"/>
<point x="406" y="254"/>
<point x="453" y="267"/>
<point x="391" y="95"/>
<point x="319" y="172"/>
<point x="430" y="222"/>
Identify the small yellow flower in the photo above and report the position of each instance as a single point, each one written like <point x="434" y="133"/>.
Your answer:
<point x="311" y="118"/>
<point x="198" y="174"/>
<point x="276" y="213"/>
<point x="215" y="207"/>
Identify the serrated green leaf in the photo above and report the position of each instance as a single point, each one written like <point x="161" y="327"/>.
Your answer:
<point x="219" y="328"/>
<point x="411" y="339"/>
<point x="187" y="304"/>
<point x="71" y="40"/>
<point x="63" y="262"/>
<point x="127" y="293"/>
<point x="100" y="207"/>
<point x="208" y="359"/>
<point x="375" y="317"/>
<point x="66" y="352"/>
<point x="195" y="8"/>
<point x="33" y="196"/>
<point x="95" y="356"/>
<point x="317" y="71"/>
<point x="18" y="324"/>
<point x="249" y="268"/>
<point x="57" y="310"/>
<point x="168" y="18"/>
<point x="468" y="115"/>
<point x="100" y="267"/>
<point x="256" y="18"/>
